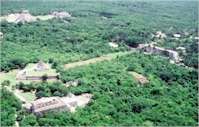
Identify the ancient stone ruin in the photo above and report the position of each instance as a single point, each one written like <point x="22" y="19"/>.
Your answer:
<point x="25" y="16"/>
<point x="151" y="49"/>
<point x="61" y="14"/>
<point x="68" y="103"/>
<point x="22" y="17"/>
<point x="72" y="83"/>
<point x="140" y="78"/>
<point x="41" y="66"/>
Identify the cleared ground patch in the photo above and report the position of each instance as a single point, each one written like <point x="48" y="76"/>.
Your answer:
<point x="11" y="76"/>
<point x="28" y="96"/>
<point x="44" y="17"/>
<point x="95" y="60"/>
<point x="140" y="78"/>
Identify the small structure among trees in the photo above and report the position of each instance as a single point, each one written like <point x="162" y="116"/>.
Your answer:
<point x="140" y="78"/>
<point x="176" y="35"/>
<point x="61" y="15"/>
<point x="113" y="45"/>
<point x="160" y="35"/>
<point x="72" y="83"/>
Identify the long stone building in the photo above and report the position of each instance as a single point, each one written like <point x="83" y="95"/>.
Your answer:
<point x="68" y="103"/>
<point x="149" y="48"/>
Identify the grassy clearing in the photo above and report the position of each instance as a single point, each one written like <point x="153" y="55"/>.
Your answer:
<point x="28" y="96"/>
<point x="95" y="60"/>
<point x="44" y="17"/>
<point x="11" y="76"/>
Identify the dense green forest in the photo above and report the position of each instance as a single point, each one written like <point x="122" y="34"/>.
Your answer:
<point x="126" y="22"/>
<point x="170" y="97"/>
<point x="9" y="106"/>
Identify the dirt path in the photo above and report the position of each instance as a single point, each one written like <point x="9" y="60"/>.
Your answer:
<point x="95" y="60"/>
<point x="16" y="122"/>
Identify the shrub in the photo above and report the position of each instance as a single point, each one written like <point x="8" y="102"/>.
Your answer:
<point x="5" y="83"/>
<point x="44" y="77"/>
<point x="40" y="94"/>
<point x="17" y="63"/>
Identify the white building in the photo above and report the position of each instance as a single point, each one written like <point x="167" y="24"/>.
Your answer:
<point x="196" y="38"/>
<point x="160" y="35"/>
<point x="61" y="14"/>
<point x="22" y="17"/>
<point x="176" y="35"/>
<point x="113" y="45"/>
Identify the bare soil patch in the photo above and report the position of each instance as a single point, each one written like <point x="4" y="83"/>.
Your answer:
<point x="140" y="78"/>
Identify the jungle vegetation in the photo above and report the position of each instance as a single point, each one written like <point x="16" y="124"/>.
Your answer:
<point x="9" y="107"/>
<point x="94" y="24"/>
<point x="120" y="100"/>
<point x="170" y="97"/>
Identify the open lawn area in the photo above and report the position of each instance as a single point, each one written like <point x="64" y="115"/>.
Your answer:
<point x="28" y="96"/>
<point x="11" y="76"/>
